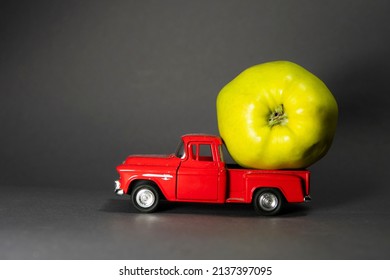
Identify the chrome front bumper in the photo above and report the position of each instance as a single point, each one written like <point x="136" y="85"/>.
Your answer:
<point x="118" y="189"/>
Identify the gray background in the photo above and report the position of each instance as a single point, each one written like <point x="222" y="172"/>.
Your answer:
<point x="85" y="83"/>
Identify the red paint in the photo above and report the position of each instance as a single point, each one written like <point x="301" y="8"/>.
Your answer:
<point x="197" y="173"/>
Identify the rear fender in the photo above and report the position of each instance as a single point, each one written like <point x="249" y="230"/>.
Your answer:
<point x="290" y="186"/>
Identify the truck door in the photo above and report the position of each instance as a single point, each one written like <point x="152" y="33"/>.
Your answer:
<point x="198" y="174"/>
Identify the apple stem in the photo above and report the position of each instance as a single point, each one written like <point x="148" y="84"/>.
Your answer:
<point x="277" y="117"/>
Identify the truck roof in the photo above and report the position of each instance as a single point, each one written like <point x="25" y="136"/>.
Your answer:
<point x="202" y="137"/>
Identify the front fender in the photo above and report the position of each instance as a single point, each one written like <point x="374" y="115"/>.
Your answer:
<point x="164" y="181"/>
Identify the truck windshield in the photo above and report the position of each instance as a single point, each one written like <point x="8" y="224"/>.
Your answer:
<point x="180" y="150"/>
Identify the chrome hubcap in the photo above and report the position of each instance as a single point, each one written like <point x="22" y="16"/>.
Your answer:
<point x="268" y="201"/>
<point x="145" y="198"/>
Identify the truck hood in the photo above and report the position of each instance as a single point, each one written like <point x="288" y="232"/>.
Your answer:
<point x="160" y="160"/>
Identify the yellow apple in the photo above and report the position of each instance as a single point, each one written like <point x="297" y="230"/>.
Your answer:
<point x="276" y="115"/>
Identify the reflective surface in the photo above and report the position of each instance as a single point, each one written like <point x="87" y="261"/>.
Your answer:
<point x="71" y="223"/>
<point x="145" y="198"/>
<point x="268" y="201"/>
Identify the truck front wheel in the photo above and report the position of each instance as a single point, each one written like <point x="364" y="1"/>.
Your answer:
<point x="145" y="198"/>
<point x="268" y="202"/>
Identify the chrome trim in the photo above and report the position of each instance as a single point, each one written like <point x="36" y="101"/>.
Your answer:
<point x="165" y="177"/>
<point x="268" y="201"/>
<point x="118" y="189"/>
<point x="145" y="198"/>
<point x="307" y="198"/>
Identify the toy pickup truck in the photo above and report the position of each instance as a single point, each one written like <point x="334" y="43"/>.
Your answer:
<point x="197" y="173"/>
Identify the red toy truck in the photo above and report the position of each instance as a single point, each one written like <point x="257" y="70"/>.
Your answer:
<point x="198" y="173"/>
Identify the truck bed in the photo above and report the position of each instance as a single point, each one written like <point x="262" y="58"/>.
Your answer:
<point x="242" y="181"/>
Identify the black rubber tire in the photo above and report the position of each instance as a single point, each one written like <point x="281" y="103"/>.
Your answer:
<point x="145" y="198"/>
<point x="268" y="202"/>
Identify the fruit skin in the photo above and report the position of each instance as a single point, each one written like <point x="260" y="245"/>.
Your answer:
<point x="276" y="115"/>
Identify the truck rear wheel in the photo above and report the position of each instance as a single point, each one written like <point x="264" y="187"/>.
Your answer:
<point x="268" y="202"/>
<point x="145" y="198"/>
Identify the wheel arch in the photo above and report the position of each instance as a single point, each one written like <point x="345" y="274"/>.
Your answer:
<point x="258" y="189"/>
<point x="136" y="182"/>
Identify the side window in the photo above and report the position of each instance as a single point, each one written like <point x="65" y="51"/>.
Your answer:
<point x="220" y="153"/>
<point x="201" y="152"/>
<point x="193" y="151"/>
<point x="205" y="153"/>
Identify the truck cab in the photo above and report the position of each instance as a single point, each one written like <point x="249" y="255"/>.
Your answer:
<point x="201" y="174"/>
